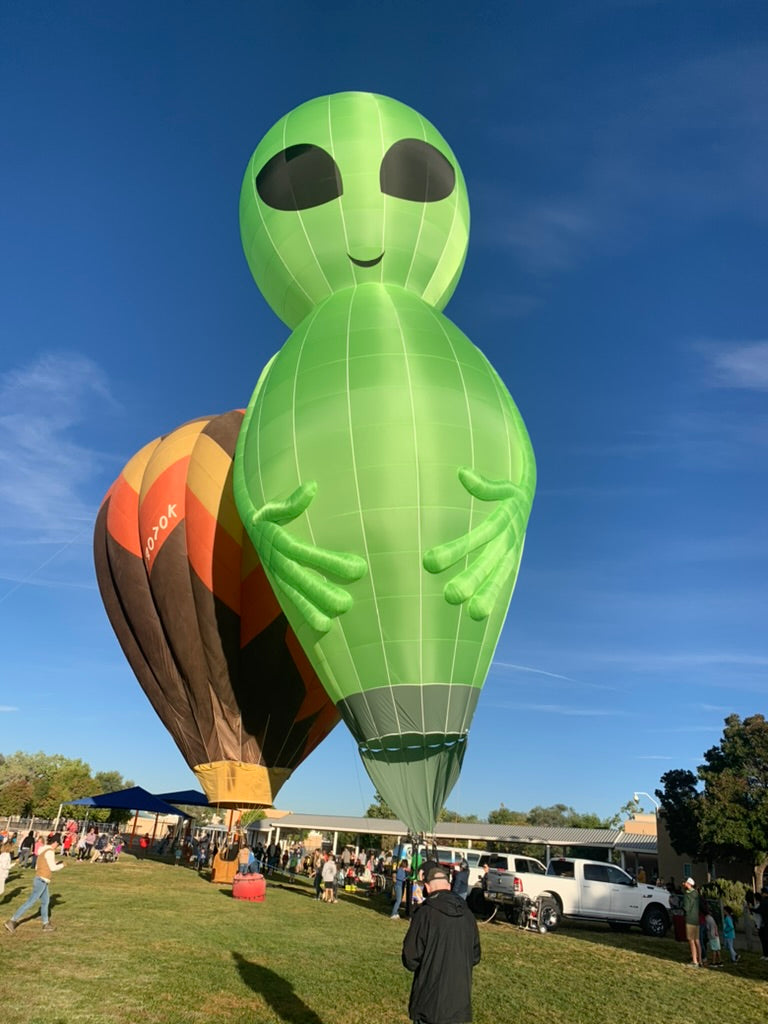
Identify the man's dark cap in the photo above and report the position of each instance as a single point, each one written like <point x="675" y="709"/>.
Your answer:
<point x="436" y="872"/>
<point x="428" y="865"/>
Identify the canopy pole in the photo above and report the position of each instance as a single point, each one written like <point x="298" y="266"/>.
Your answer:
<point x="135" y="823"/>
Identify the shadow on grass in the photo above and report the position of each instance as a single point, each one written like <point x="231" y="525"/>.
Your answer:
<point x="11" y="894"/>
<point x="36" y="910"/>
<point x="632" y="940"/>
<point x="668" y="949"/>
<point x="275" y="991"/>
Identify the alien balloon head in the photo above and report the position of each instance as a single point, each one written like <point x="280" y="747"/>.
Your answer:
<point x="349" y="189"/>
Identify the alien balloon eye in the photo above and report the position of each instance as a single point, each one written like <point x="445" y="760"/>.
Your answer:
<point x="415" y="170"/>
<point x="298" y="178"/>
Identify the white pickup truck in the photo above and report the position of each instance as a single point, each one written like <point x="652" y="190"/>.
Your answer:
<point x="585" y="889"/>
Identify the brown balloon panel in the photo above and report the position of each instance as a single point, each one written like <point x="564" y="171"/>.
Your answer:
<point x="197" y="619"/>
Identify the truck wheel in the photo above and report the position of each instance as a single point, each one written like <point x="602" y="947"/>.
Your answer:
<point x="655" y="922"/>
<point x="547" y="914"/>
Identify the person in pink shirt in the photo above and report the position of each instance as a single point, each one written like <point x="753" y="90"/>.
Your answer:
<point x="36" y="849"/>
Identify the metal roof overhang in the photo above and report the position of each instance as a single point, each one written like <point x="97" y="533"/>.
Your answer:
<point x="469" y="832"/>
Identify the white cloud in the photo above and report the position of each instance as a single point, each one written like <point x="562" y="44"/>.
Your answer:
<point x="549" y="236"/>
<point x="536" y="671"/>
<point x="5" y="707"/>
<point x="642" y="660"/>
<point x="737" y="365"/>
<point x="563" y="709"/>
<point x="751" y="546"/>
<point x="509" y="667"/>
<point x="686" y="141"/>
<point x="43" y="467"/>
<point x="34" y="580"/>
<point x="726" y="441"/>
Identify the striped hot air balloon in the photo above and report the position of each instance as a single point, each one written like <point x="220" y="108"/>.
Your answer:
<point x="198" y="621"/>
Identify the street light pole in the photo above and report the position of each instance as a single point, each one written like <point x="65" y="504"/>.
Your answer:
<point x="656" y="805"/>
<point x="636" y="797"/>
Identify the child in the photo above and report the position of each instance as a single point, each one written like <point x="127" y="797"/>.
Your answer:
<point x="729" y="933"/>
<point x="713" y="940"/>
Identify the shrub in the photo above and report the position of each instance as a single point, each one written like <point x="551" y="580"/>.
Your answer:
<point x="731" y="893"/>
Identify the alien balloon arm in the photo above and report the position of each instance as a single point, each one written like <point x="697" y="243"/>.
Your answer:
<point x="501" y="535"/>
<point x="299" y="568"/>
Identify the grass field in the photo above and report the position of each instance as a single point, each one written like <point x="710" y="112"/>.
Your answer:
<point x="142" y="941"/>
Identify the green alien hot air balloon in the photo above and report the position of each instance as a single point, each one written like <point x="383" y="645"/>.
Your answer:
<point x="383" y="472"/>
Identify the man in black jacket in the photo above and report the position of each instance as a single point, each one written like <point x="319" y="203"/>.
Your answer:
<point x="441" y="947"/>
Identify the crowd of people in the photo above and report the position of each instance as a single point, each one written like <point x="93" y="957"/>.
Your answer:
<point x="706" y="937"/>
<point x="369" y="870"/>
<point x="80" y="844"/>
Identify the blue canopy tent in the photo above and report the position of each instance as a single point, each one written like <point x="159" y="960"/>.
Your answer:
<point x="133" y="799"/>
<point x="190" y="797"/>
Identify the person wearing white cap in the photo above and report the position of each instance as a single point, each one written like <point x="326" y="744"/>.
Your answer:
<point x="691" y="910"/>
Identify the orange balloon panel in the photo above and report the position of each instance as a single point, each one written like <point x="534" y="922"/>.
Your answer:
<point x="198" y="622"/>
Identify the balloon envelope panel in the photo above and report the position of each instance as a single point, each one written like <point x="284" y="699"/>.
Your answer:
<point x="379" y="399"/>
<point x="198" y="621"/>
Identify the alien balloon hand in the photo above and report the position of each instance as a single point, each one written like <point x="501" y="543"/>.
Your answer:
<point x="296" y="567"/>
<point x="502" y="533"/>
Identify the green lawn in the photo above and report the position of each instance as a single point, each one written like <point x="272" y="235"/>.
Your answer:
<point x="141" y="942"/>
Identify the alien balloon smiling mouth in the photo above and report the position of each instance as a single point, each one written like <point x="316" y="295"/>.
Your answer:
<point x="367" y="263"/>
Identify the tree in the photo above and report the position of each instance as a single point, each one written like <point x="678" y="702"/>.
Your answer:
<point x="728" y="818"/>
<point x="40" y="783"/>
<point x="680" y="802"/>
<point x="504" y="816"/>
<point x="379" y="808"/>
<point x="627" y="810"/>
<point x="68" y="781"/>
<point x="110" y="782"/>
<point x="560" y="816"/>
<point x="733" y="816"/>
<point x="447" y="815"/>
<point x="16" y="798"/>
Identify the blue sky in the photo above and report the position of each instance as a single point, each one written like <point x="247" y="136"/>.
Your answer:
<point x="615" y="155"/>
